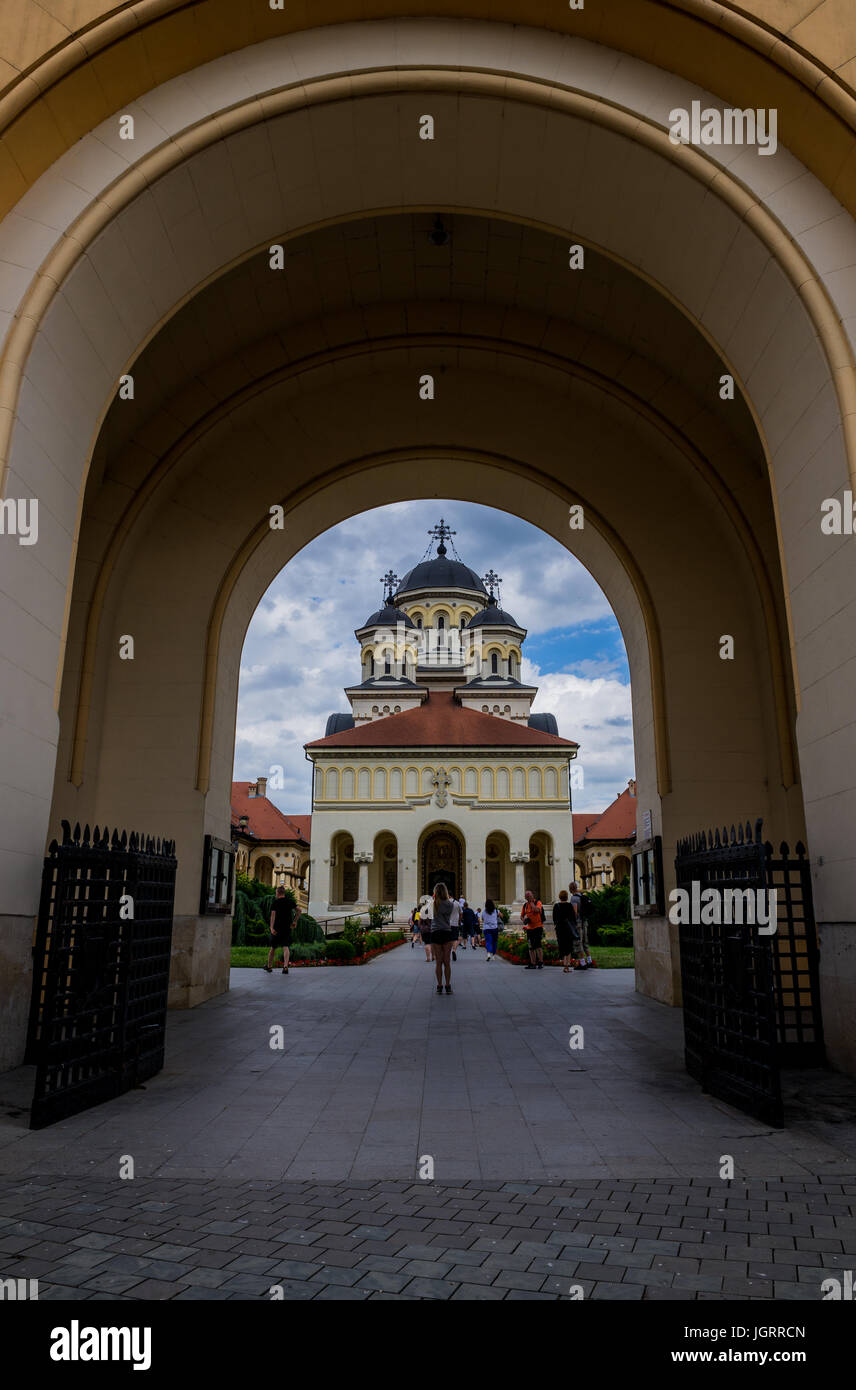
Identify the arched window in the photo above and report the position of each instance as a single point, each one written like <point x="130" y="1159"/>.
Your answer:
<point x="371" y="664"/>
<point x="387" y="664"/>
<point x="419" y="622"/>
<point x="441" y="631"/>
<point x="494" y="664"/>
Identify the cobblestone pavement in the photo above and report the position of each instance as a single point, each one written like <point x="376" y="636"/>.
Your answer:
<point x="94" y="1239"/>
<point x="300" y="1166"/>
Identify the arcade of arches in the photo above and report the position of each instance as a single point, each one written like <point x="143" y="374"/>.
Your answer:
<point x="444" y="856"/>
<point x="300" y="387"/>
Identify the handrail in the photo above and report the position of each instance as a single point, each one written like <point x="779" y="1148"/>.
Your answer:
<point x="359" y="912"/>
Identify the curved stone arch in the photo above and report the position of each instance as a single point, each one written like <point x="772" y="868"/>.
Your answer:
<point x="134" y="510"/>
<point x="411" y="780"/>
<point x="642" y="129"/>
<point x="694" y="156"/>
<point x="487" y="784"/>
<point x="535" y="779"/>
<point x="741" y="59"/>
<point x="331" y="784"/>
<point x="809" y="292"/>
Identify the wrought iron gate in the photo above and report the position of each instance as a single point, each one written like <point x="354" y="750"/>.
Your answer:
<point x="100" y="969"/>
<point x="751" y="1001"/>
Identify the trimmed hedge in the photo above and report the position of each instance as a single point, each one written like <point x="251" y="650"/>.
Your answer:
<point x="340" y="950"/>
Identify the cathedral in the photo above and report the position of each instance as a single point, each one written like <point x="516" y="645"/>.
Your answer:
<point x="440" y="772"/>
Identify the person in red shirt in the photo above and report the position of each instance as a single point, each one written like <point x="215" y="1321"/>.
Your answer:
<point x="532" y="917"/>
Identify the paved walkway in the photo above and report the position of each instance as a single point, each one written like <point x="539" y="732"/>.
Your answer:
<point x="597" y="1166"/>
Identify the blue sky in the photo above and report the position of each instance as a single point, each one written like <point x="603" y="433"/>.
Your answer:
<point x="300" y="650"/>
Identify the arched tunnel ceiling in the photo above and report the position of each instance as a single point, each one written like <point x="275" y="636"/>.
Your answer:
<point x="66" y="66"/>
<point x="380" y="278"/>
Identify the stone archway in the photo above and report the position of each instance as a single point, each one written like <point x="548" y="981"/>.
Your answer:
<point x="154" y="550"/>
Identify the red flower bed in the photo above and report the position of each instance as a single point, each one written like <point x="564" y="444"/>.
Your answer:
<point x="524" y="960"/>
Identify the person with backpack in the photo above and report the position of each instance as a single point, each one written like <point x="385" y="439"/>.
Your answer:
<point x="567" y="934"/>
<point x="532" y="917"/>
<point x="579" y="902"/>
<point x="283" y="913"/>
<point x="469" y="925"/>
<point x="425" y="915"/>
<point x="490" y="924"/>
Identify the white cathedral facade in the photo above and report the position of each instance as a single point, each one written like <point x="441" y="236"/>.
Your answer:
<point x="440" y="772"/>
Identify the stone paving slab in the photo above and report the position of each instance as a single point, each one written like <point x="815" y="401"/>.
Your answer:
<point x="380" y="1260"/>
<point x="378" y="1071"/>
<point x="301" y="1167"/>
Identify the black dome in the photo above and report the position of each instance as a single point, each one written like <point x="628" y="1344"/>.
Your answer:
<point x="440" y="573"/>
<point x="387" y="617"/>
<point x="545" y="722"/>
<point x="338" y="723"/>
<point x="496" y="617"/>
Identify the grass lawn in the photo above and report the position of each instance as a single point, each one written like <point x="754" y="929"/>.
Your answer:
<point x="250" y="955"/>
<point x="613" y="957"/>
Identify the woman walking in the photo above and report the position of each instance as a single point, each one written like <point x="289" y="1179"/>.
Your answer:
<point x="425" y="926"/>
<point x="490" y="928"/>
<point x="441" y="936"/>
<point x="567" y="937"/>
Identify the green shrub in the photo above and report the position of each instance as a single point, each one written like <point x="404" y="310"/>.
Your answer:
<point x="339" y="950"/>
<point x="354" y="932"/>
<point x="608" y="905"/>
<point x="378" y="914"/>
<point x="616" y="936"/>
<point x="307" y="950"/>
<point x="504" y="915"/>
<point x="307" y="930"/>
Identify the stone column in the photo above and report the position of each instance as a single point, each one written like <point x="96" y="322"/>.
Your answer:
<point x="363" y="858"/>
<point x="407" y="888"/>
<point x="519" y="859"/>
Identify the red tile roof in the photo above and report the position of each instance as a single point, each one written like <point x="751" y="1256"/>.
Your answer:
<point x="442" y="723"/>
<point x="266" y="821"/>
<point x="582" y="820"/>
<point x="617" y="822"/>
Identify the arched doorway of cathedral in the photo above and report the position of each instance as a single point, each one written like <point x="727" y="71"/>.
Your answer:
<point x="383" y="871"/>
<point x="344" y="871"/>
<point x="260" y="277"/>
<point x="538" y="874"/>
<point x="498" y="869"/>
<point x="442" y="859"/>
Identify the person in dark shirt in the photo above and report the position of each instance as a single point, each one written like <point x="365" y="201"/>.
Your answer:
<point x="281" y="917"/>
<point x="567" y="936"/>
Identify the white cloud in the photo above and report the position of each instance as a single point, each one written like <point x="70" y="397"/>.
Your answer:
<point x="300" y="651"/>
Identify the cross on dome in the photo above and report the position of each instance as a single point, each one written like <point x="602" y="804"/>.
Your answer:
<point x="442" y="533"/>
<point x="493" y="581"/>
<point x="389" y="581"/>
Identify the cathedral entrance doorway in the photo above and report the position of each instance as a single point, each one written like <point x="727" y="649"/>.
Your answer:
<point x="442" y="861"/>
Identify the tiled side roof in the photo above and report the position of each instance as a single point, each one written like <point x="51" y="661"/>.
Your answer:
<point x="617" y="822"/>
<point x="266" y="821"/>
<point x="442" y="723"/>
